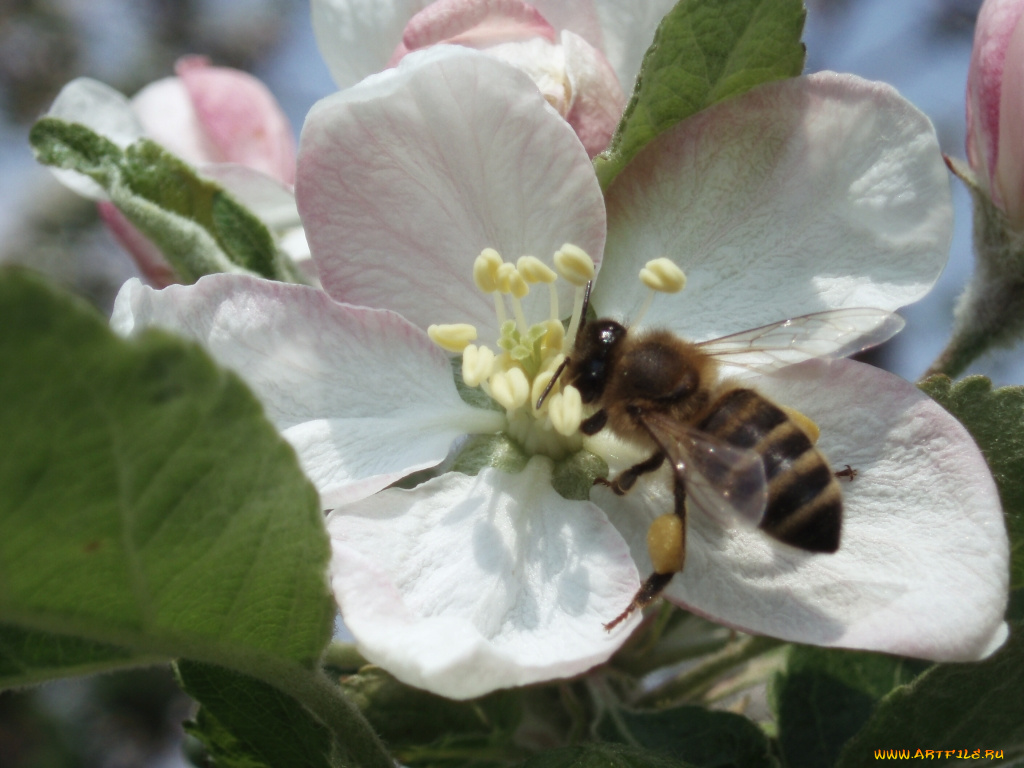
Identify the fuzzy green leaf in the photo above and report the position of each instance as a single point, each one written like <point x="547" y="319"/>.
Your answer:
<point x="246" y="723"/>
<point x="705" y="52"/>
<point x="146" y="503"/>
<point x="824" y="697"/>
<point x="198" y="226"/>
<point x="951" y="707"/>
<point x="696" y="735"/>
<point x="995" y="419"/>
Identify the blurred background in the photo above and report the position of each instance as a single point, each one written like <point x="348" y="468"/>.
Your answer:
<point x="133" y="719"/>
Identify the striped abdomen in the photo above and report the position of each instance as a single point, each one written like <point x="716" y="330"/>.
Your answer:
<point x="805" y="506"/>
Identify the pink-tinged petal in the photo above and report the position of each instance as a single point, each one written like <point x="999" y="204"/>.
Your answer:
<point x="1009" y="168"/>
<point x="598" y="98"/>
<point x="102" y="109"/>
<point x="147" y="257"/>
<point x="799" y="196"/>
<point x="475" y="23"/>
<point x="923" y="564"/>
<point x="996" y="23"/>
<point x="357" y="37"/>
<point x="240" y="117"/>
<point x="577" y="16"/>
<point x="363" y="396"/>
<point x="165" y="109"/>
<point x="628" y="29"/>
<point x="469" y="584"/>
<point x="405" y="178"/>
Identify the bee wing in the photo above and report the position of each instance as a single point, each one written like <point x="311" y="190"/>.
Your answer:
<point x="723" y="480"/>
<point x="834" y="333"/>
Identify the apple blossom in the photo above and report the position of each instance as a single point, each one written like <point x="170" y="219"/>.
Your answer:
<point x="818" y="193"/>
<point x="995" y="105"/>
<point x="583" y="55"/>
<point x="990" y="312"/>
<point x="222" y="120"/>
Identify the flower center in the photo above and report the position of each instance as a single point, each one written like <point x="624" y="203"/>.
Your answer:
<point x="526" y="357"/>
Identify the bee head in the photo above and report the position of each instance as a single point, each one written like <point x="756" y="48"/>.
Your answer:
<point x="596" y="346"/>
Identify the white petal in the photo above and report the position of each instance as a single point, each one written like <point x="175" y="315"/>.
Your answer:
<point x="363" y="396"/>
<point x="357" y="37"/>
<point x="628" y="28"/>
<point x="799" y="196"/>
<point x="168" y="114"/>
<point x="405" y="178"/>
<point x="922" y="567"/>
<point x="468" y="584"/>
<point x="104" y="110"/>
<point x="272" y="201"/>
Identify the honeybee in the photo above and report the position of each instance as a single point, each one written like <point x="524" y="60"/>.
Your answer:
<point x="734" y="453"/>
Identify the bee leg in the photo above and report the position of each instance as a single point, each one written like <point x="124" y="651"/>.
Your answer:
<point x="627" y="477"/>
<point x="594" y="424"/>
<point x="666" y="543"/>
<point x="848" y="472"/>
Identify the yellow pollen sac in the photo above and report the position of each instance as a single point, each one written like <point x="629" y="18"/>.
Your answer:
<point x="554" y="338"/>
<point x="454" y="337"/>
<point x="534" y="270"/>
<point x="485" y="270"/>
<point x="663" y="275"/>
<point x="477" y="364"/>
<point x="804" y="422"/>
<point x="573" y="263"/>
<point x="666" y="543"/>
<point x="565" y="409"/>
<point x="510" y="388"/>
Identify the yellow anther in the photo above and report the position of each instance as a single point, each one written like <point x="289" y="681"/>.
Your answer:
<point x="574" y="264"/>
<point x="663" y="275"/>
<point x="517" y="286"/>
<point x="485" y="270"/>
<point x="540" y="381"/>
<point x="565" y="409"/>
<point x="534" y="270"/>
<point x="477" y="364"/>
<point x="804" y="422"/>
<point x="510" y="388"/>
<point x="503" y="277"/>
<point x="554" y="337"/>
<point x="666" y="543"/>
<point x="452" y="337"/>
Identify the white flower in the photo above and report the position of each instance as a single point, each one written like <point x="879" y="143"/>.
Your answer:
<point x="811" y="194"/>
<point x="583" y="55"/>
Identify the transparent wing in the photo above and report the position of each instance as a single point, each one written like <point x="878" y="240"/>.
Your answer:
<point x="835" y="333"/>
<point x="722" y="480"/>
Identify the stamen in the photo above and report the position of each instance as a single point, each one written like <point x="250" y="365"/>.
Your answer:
<point x="542" y="380"/>
<point x="454" y="337"/>
<point x="575" y="319"/>
<point x="485" y="270"/>
<point x="477" y="364"/>
<point x="510" y="388"/>
<point x="534" y="270"/>
<point x="661" y="276"/>
<point x="565" y="409"/>
<point x="573" y="263"/>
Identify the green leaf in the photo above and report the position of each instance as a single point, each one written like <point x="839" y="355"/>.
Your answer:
<point x="244" y="722"/>
<point x="825" y="697"/>
<point x="951" y="707"/>
<point x="601" y="756"/>
<point x="28" y="657"/>
<point x="995" y="419"/>
<point x="705" y="52"/>
<point x="145" y="501"/>
<point x="424" y="729"/>
<point x="198" y="226"/>
<point x="698" y="736"/>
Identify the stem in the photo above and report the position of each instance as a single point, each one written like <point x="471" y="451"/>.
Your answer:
<point x="694" y="681"/>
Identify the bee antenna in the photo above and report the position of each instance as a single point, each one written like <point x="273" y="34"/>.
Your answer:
<point x="583" y="312"/>
<point x="547" y="389"/>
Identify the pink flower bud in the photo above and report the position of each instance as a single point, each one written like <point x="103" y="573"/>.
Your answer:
<point x="218" y="115"/>
<point x="995" y="105"/>
<point x="574" y="76"/>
